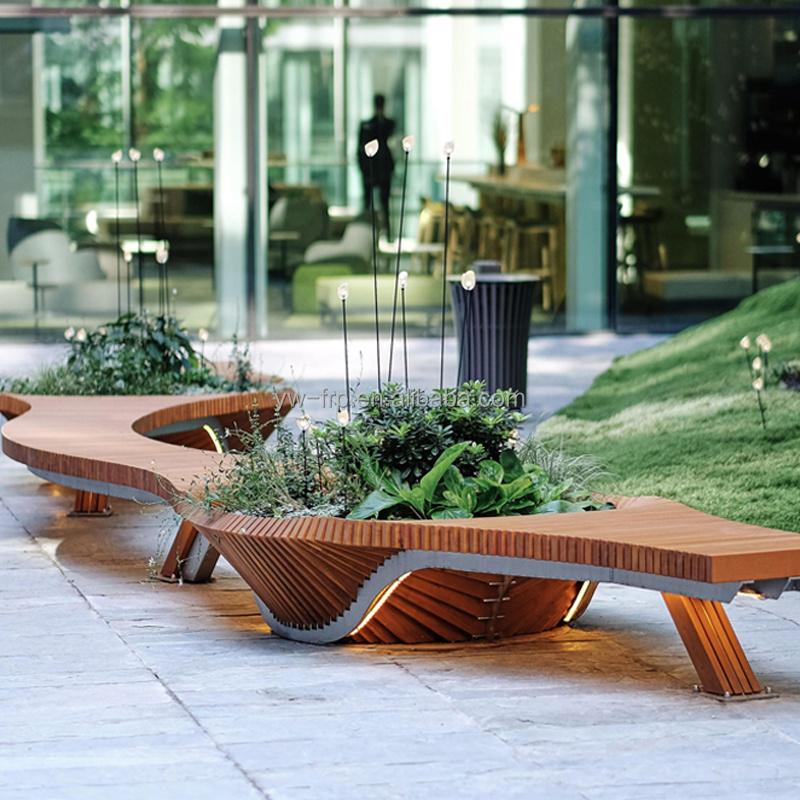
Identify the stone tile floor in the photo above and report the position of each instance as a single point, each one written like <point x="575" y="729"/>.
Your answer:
<point x="112" y="685"/>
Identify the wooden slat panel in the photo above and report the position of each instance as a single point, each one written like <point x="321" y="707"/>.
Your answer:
<point x="404" y="628"/>
<point x="663" y="538"/>
<point x="197" y="439"/>
<point x="302" y="583"/>
<point x="178" y="549"/>
<point x="712" y="645"/>
<point x="452" y="605"/>
<point x="536" y="605"/>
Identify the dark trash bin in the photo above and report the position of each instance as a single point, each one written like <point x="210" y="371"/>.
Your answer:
<point x="492" y="327"/>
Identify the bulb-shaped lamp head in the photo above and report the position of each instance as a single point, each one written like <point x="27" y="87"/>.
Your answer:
<point x="448" y="148"/>
<point x="116" y="156"/>
<point x="468" y="280"/>
<point x="158" y="154"/>
<point x="343" y="292"/>
<point x="134" y="155"/>
<point x="304" y="422"/>
<point x="162" y="254"/>
<point x="744" y="342"/>
<point x="343" y="417"/>
<point x="408" y="144"/>
<point x="402" y="279"/>
<point x="371" y="148"/>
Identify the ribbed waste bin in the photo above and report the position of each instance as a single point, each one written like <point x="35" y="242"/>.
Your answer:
<point x="492" y="325"/>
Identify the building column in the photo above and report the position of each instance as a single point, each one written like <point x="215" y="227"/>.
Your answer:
<point x="230" y="175"/>
<point x="586" y="229"/>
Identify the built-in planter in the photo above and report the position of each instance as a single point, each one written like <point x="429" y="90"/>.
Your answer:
<point x="325" y="579"/>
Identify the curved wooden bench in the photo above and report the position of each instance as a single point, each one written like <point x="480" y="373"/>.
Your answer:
<point x="325" y="579"/>
<point x="126" y="447"/>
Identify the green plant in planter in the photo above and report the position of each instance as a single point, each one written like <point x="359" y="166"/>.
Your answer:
<point x="407" y="431"/>
<point x="400" y="458"/>
<point x="136" y="354"/>
<point x="504" y="488"/>
<point x="283" y="480"/>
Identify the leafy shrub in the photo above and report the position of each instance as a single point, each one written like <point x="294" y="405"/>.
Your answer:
<point x="138" y="354"/>
<point x="368" y="467"/>
<point x="403" y="432"/>
<point x="787" y="374"/>
<point x="289" y="478"/>
<point x="504" y="488"/>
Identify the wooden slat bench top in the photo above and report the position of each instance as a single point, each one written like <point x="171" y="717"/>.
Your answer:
<point x="649" y="535"/>
<point x="104" y="438"/>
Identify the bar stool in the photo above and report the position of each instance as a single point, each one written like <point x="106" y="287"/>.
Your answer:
<point x="462" y="245"/>
<point x="532" y="247"/>
<point x="491" y="235"/>
<point x="430" y="232"/>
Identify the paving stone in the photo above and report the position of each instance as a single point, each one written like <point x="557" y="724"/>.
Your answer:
<point x="113" y="686"/>
<point x="170" y="786"/>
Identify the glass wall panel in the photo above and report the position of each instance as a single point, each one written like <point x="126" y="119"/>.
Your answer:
<point x="466" y="79"/>
<point x="70" y="98"/>
<point x="17" y="166"/>
<point x="709" y="144"/>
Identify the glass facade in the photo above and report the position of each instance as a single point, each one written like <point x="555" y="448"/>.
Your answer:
<point x="709" y="138"/>
<point x="260" y="199"/>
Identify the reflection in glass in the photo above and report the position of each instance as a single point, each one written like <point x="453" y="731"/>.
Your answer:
<point x="709" y="141"/>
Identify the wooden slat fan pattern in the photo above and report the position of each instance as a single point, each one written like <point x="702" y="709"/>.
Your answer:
<point x="442" y="605"/>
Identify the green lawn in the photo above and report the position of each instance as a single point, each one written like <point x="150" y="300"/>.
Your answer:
<point x="681" y="419"/>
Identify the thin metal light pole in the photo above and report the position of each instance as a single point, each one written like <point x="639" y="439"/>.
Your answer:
<point x="161" y="236"/>
<point x="448" y="150"/>
<point x="119" y="252"/>
<point x="405" y="338"/>
<point x="408" y="143"/>
<point x="134" y="156"/>
<point x="343" y="297"/>
<point x="464" y="330"/>
<point x="375" y="265"/>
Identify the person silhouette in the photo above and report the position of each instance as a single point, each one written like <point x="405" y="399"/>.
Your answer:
<point x="376" y="172"/>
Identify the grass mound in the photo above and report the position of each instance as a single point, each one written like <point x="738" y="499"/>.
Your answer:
<point x="681" y="419"/>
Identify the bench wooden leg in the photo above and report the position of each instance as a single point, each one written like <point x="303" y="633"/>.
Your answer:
<point x="712" y="645"/>
<point x="189" y="557"/>
<point x="90" y="504"/>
